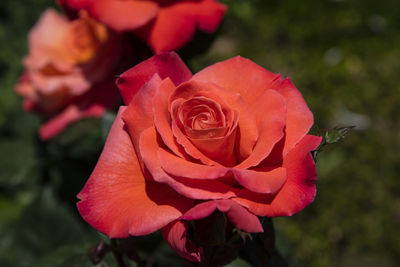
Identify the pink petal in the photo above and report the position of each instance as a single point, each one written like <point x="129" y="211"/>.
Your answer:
<point x="90" y="105"/>
<point x="166" y="65"/>
<point x="117" y="200"/>
<point x="59" y="123"/>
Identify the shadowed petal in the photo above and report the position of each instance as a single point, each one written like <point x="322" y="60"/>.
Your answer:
<point x="191" y="188"/>
<point x="270" y="114"/>
<point x="299" y="189"/>
<point x="239" y="216"/>
<point x="175" y="234"/>
<point x="118" y="201"/>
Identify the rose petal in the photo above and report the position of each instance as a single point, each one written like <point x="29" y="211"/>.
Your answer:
<point x="166" y="65"/>
<point x="208" y="150"/>
<point x="75" y="4"/>
<point x="265" y="181"/>
<point x="239" y="216"/>
<point x="124" y="15"/>
<point x="118" y="201"/>
<point x="162" y="117"/>
<point x="176" y="24"/>
<point x="299" y="189"/>
<point x="175" y="234"/>
<point x="270" y="113"/>
<point x="139" y="114"/>
<point x="195" y="189"/>
<point x="248" y="134"/>
<point x="58" y="123"/>
<point x="240" y="75"/>
<point x="247" y="124"/>
<point x="169" y="163"/>
<point x="299" y="118"/>
<point x="46" y="40"/>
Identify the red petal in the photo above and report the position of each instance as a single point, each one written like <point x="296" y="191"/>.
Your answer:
<point x="240" y="75"/>
<point x="191" y="188"/>
<point x="169" y="163"/>
<point x="75" y="4"/>
<point x="239" y="216"/>
<point x="261" y="181"/>
<point x="175" y="234"/>
<point x="166" y="65"/>
<point x="248" y="126"/>
<point x="139" y="114"/>
<point x="176" y="24"/>
<point x="123" y="15"/>
<point x="270" y="113"/>
<point x="162" y="117"/>
<point x="299" y="189"/>
<point x="299" y="118"/>
<point x="118" y="201"/>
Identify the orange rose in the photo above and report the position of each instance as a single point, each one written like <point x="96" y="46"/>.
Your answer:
<point x="66" y="63"/>
<point x="232" y="138"/>
<point x="164" y="24"/>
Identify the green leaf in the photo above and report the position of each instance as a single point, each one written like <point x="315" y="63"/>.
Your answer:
<point x="332" y="136"/>
<point x="44" y="226"/>
<point x="336" y="134"/>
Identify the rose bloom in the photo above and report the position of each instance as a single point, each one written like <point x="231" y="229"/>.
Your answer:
<point x="163" y="24"/>
<point x="69" y="70"/>
<point x="231" y="138"/>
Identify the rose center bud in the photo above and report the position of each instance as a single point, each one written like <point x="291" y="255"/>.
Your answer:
<point x="210" y="126"/>
<point x="202" y="118"/>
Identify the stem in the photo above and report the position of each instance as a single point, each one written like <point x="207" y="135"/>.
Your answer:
<point x="119" y="257"/>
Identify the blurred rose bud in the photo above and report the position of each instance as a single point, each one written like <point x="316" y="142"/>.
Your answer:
<point x="69" y="71"/>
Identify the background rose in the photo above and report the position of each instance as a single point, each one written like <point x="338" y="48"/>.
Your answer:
<point x="69" y="70"/>
<point x="163" y="24"/>
<point x="231" y="138"/>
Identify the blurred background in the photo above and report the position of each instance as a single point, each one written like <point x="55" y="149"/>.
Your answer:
<point x="343" y="55"/>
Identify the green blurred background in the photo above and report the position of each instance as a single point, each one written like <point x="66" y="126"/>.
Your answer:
<point x="343" y="55"/>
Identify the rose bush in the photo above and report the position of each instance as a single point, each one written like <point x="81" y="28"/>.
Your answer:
<point x="163" y="24"/>
<point x="69" y="71"/>
<point x="231" y="138"/>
